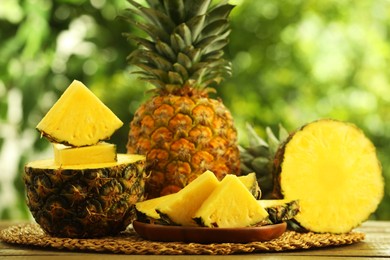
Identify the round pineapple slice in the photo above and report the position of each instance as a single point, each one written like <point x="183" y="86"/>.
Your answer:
<point x="332" y="169"/>
<point x="89" y="200"/>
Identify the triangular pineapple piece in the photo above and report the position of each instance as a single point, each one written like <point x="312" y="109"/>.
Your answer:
<point x="79" y="118"/>
<point x="146" y="210"/>
<point x="230" y="205"/>
<point x="181" y="207"/>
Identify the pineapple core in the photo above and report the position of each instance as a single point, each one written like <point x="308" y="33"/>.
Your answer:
<point x="79" y="118"/>
<point x="100" y="153"/>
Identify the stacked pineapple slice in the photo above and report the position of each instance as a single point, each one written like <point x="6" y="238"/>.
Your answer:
<point x="88" y="189"/>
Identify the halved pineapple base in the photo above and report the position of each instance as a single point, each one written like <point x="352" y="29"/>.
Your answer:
<point x="333" y="170"/>
<point x="78" y="118"/>
<point x="90" y="200"/>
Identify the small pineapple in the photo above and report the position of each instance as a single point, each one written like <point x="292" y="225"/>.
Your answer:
<point x="258" y="157"/>
<point x="181" y="130"/>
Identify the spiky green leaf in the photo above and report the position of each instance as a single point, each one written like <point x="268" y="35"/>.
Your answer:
<point x="175" y="78"/>
<point x="149" y="45"/>
<point x="196" y="7"/>
<point x="217" y="27"/>
<point x="177" y="43"/>
<point x="254" y="138"/>
<point x="175" y="10"/>
<point x="196" y="24"/>
<point x="185" y="33"/>
<point x="184" y="60"/>
<point x="165" y="50"/>
<point x="219" y="12"/>
<point x="153" y="16"/>
<point x="181" y="70"/>
<point x="273" y="142"/>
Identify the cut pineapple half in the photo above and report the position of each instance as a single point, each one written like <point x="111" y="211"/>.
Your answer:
<point x="332" y="169"/>
<point x="78" y="118"/>
<point x="230" y="205"/>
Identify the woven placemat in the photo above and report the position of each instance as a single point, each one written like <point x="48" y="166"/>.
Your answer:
<point x="128" y="242"/>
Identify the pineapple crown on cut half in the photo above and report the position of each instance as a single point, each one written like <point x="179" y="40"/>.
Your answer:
<point x="183" y="50"/>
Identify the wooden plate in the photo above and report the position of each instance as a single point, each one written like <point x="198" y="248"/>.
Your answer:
<point x="208" y="235"/>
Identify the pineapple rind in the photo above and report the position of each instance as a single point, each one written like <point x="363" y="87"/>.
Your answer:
<point x="333" y="170"/>
<point x="85" y="201"/>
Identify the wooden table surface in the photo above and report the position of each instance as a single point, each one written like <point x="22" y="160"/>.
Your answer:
<point x="375" y="245"/>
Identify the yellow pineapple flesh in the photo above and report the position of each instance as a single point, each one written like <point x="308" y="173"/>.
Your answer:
<point x="181" y="207"/>
<point x="230" y="205"/>
<point x="78" y="118"/>
<point x="87" y="189"/>
<point x="100" y="153"/>
<point x="332" y="169"/>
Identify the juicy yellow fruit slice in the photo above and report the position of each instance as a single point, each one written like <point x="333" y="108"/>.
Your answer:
<point x="332" y="169"/>
<point x="121" y="159"/>
<point x="181" y="207"/>
<point x="148" y="207"/>
<point x="79" y="118"/>
<point x="230" y="205"/>
<point x="100" y="153"/>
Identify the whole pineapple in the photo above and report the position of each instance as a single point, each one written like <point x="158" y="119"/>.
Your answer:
<point x="181" y="130"/>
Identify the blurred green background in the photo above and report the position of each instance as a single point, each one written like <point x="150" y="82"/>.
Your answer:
<point x="294" y="61"/>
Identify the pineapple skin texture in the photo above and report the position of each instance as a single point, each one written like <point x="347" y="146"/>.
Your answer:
<point x="183" y="136"/>
<point x="84" y="203"/>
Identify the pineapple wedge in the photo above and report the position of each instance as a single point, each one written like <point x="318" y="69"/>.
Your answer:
<point x="181" y="208"/>
<point x="230" y="205"/>
<point x="78" y="118"/>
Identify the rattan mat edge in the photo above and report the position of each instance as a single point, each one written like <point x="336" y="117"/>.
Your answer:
<point x="128" y="242"/>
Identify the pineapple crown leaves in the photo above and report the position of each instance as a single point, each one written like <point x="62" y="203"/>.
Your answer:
<point x="259" y="155"/>
<point x="184" y="42"/>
